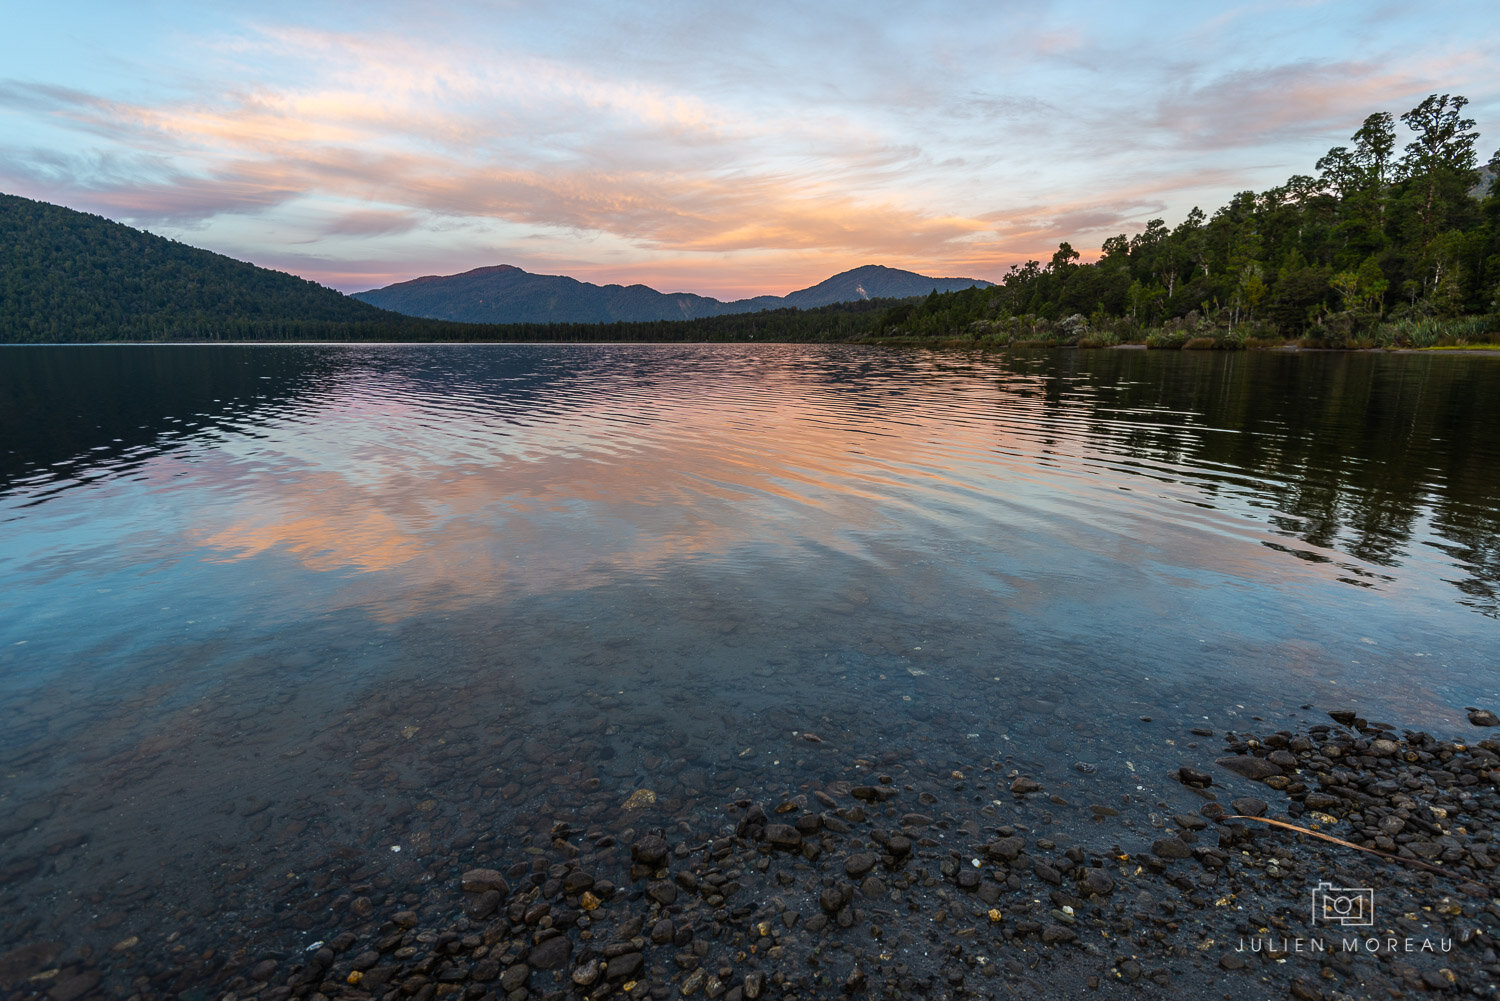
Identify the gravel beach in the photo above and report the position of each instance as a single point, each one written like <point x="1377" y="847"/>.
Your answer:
<point x="902" y="879"/>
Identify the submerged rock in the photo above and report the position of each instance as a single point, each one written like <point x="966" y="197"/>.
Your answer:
<point x="1193" y="777"/>
<point x="1248" y="766"/>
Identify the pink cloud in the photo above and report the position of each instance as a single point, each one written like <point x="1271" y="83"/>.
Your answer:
<point x="1246" y="108"/>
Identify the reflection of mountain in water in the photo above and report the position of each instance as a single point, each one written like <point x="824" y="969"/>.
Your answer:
<point x="1353" y="460"/>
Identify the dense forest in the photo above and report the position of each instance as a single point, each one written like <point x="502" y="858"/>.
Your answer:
<point x="71" y="276"/>
<point x="1379" y="247"/>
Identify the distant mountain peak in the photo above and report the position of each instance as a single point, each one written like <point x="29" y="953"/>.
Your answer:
<point x="503" y="293"/>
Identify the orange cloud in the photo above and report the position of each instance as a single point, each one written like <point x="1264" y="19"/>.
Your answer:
<point x="928" y="152"/>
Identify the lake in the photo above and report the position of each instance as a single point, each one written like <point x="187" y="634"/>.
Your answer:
<point x="291" y="634"/>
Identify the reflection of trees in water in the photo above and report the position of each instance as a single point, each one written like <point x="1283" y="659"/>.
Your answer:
<point x="69" y="413"/>
<point x="1349" y="452"/>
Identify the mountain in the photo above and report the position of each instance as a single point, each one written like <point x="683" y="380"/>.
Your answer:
<point x="506" y="294"/>
<point x="72" y="276"/>
<point x="872" y="281"/>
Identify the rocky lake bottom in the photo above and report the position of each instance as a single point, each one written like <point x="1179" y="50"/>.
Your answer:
<point x="819" y="863"/>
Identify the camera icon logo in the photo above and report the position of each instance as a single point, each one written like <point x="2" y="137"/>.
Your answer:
<point x="1343" y="905"/>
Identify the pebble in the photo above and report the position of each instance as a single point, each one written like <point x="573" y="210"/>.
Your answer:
<point x="516" y="976"/>
<point x="1194" y="777"/>
<point x="622" y="966"/>
<point x="784" y="836"/>
<point x="550" y="954"/>
<point x="1098" y="881"/>
<point x="1171" y="848"/>
<point x="1249" y="766"/>
<point x="480" y="880"/>
<point x="649" y="851"/>
<point x="736" y="920"/>
<point x="585" y="974"/>
<point x="1006" y="848"/>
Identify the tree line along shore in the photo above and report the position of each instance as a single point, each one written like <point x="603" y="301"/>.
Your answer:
<point x="1379" y="247"/>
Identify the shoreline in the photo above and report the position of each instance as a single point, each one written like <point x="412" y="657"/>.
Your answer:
<point x="904" y="878"/>
<point x="1488" y="350"/>
<point x="875" y="888"/>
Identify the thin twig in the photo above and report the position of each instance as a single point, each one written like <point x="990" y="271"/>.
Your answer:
<point x="1340" y="841"/>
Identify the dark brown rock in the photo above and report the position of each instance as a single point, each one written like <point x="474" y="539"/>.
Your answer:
<point x="550" y="954"/>
<point x="1193" y="777"/>
<point x="872" y="794"/>
<point x="1248" y="806"/>
<point x="1092" y="880"/>
<point x="482" y="905"/>
<point x="1248" y="766"/>
<point x="516" y="976"/>
<point x="784" y="836"/>
<point x="1171" y="848"/>
<point x="23" y="961"/>
<point x="1320" y="801"/>
<point x="480" y="880"/>
<point x="73" y="987"/>
<point x="1005" y="848"/>
<point x="649" y="851"/>
<point x="624" y="966"/>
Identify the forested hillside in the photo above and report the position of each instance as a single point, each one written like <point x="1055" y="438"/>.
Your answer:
<point x="1382" y="245"/>
<point x="71" y="276"/>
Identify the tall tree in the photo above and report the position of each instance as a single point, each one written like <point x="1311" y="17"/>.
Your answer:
<point x="1373" y="145"/>
<point x="1440" y="159"/>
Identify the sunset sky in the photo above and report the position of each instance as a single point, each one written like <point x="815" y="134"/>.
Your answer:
<point x="728" y="149"/>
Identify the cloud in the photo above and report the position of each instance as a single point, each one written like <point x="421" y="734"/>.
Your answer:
<point x="643" y="139"/>
<point x="372" y="222"/>
<point x="1247" y="108"/>
<point x="254" y="149"/>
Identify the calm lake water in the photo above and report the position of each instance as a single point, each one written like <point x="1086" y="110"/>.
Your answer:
<point x="268" y="613"/>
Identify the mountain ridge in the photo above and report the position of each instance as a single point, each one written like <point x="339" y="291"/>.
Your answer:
<point x="504" y="293"/>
